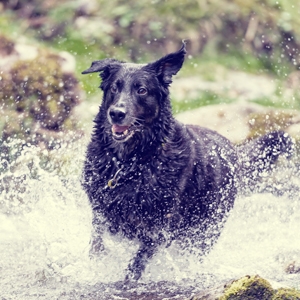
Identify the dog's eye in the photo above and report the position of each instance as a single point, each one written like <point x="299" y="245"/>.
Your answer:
<point x="142" y="91"/>
<point x="113" y="89"/>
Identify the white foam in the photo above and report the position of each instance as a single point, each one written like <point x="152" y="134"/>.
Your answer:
<point x="45" y="241"/>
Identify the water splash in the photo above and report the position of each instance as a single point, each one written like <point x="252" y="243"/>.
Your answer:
<point x="260" y="237"/>
<point x="45" y="231"/>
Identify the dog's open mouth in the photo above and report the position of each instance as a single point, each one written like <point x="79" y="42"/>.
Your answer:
<point x="121" y="133"/>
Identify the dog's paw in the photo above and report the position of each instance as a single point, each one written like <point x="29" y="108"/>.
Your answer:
<point x="132" y="275"/>
<point x="133" y="272"/>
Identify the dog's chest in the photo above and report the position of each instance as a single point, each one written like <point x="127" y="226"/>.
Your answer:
<point x="151" y="176"/>
<point x="140" y="192"/>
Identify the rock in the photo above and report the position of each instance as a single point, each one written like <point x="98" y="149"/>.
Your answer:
<point x="7" y="46"/>
<point x="286" y="294"/>
<point x="230" y="120"/>
<point x="234" y="84"/>
<point x="248" y="288"/>
<point x="26" y="52"/>
<point x="38" y="92"/>
<point x="272" y="120"/>
<point x="294" y="130"/>
<point x="243" y="120"/>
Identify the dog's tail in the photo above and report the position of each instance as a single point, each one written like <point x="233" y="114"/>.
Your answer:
<point x="260" y="155"/>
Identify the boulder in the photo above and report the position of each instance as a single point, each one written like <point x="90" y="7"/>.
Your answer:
<point x="242" y="120"/>
<point x="286" y="294"/>
<point x="248" y="288"/>
<point x="230" y="120"/>
<point x="38" y="92"/>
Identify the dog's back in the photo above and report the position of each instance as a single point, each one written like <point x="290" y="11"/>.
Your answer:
<point x="154" y="179"/>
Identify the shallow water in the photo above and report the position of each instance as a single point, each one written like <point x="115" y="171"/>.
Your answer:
<point x="45" y="230"/>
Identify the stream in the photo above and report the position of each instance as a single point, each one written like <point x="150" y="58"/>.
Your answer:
<point x="45" y="230"/>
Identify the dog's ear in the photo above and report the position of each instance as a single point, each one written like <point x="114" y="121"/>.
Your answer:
<point x="169" y="65"/>
<point x="104" y="66"/>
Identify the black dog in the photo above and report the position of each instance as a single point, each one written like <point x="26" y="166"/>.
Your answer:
<point x="154" y="179"/>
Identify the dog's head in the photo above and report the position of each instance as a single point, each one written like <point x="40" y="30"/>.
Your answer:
<point x="133" y="92"/>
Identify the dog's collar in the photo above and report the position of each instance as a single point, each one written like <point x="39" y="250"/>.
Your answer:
<point x="112" y="183"/>
<point x="122" y="169"/>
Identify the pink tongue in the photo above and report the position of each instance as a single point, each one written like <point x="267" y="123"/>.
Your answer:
<point x="118" y="128"/>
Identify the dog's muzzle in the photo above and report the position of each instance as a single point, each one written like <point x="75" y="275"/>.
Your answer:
<point x="120" y="131"/>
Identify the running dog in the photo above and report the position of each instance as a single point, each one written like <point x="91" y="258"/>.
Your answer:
<point x="155" y="180"/>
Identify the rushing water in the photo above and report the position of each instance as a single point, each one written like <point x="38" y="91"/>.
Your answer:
<point x="45" y="230"/>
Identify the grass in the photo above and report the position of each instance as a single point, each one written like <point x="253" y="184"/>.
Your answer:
<point x="282" y="98"/>
<point x="210" y="65"/>
<point x="84" y="53"/>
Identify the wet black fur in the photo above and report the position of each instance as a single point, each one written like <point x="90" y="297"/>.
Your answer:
<point x="172" y="181"/>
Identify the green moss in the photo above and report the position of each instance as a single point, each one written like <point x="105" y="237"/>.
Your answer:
<point x="36" y="103"/>
<point x="37" y="99"/>
<point x="40" y="89"/>
<point x="248" y="288"/>
<point x="286" y="294"/>
<point x="262" y="123"/>
<point x="204" y="98"/>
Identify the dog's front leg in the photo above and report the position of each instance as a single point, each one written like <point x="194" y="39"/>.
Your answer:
<point x="138" y="264"/>
<point x="96" y="239"/>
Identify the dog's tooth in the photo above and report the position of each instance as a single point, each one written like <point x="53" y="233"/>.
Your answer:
<point x="125" y="132"/>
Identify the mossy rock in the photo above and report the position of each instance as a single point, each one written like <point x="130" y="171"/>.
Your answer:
<point x="286" y="294"/>
<point x="248" y="288"/>
<point x="6" y="45"/>
<point x="37" y="98"/>
<point x="262" y="123"/>
<point x="39" y="88"/>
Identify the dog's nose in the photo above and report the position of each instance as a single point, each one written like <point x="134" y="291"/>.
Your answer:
<point x="117" y="114"/>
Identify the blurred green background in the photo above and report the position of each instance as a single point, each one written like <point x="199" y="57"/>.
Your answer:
<point x="258" y="37"/>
